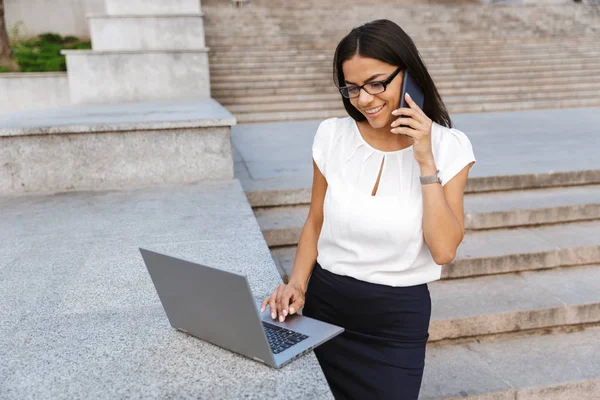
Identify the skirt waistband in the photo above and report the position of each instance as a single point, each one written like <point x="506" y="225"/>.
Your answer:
<point x="357" y="284"/>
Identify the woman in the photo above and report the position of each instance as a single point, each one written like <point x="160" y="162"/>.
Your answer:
<point x="386" y="213"/>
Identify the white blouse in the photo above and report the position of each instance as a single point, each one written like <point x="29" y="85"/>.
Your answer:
<point x="379" y="238"/>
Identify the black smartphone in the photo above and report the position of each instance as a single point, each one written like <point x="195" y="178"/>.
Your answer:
<point x="409" y="85"/>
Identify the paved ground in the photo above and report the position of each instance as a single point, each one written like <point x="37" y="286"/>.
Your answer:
<point x="79" y="315"/>
<point x="279" y="154"/>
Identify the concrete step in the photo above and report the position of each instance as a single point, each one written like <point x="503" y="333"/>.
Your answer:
<point x="457" y="62"/>
<point x="274" y="116"/>
<point x="502" y="251"/>
<point x="149" y="7"/>
<point x="554" y="364"/>
<point x="514" y="302"/>
<point x="305" y="30"/>
<point x="531" y="207"/>
<point x="447" y="94"/>
<point x="479" y="48"/>
<point x="452" y="49"/>
<point x="578" y="101"/>
<point x="147" y="32"/>
<point x="301" y="55"/>
<point x="456" y="43"/>
<point x="99" y="77"/>
<point x="324" y="40"/>
<point x="115" y="147"/>
<point x="411" y="16"/>
<point x="509" y="250"/>
<point x="541" y="71"/>
<point x="252" y="117"/>
<point x="281" y="226"/>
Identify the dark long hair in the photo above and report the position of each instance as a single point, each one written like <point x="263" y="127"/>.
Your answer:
<point x="386" y="41"/>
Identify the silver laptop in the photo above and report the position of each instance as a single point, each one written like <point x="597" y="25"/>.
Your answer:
<point x="218" y="306"/>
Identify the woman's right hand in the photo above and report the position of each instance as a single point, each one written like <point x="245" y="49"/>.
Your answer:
<point x="285" y="300"/>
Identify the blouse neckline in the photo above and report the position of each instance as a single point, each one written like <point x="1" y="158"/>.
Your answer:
<point x="362" y="139"/>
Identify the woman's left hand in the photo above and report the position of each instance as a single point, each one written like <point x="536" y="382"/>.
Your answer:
<point x="420" y="132"/>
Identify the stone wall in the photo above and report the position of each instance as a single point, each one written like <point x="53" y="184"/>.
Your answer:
<point x="66" y="17"/>
<point x="30" y="91"/>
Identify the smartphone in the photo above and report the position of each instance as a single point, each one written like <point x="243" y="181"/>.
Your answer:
<point x="409" y="85"/>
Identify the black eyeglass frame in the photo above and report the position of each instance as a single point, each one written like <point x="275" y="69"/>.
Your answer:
<point x="385" y="83"/>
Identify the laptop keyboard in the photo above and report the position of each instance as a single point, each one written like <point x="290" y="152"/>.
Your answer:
<point x="281" y="338"/>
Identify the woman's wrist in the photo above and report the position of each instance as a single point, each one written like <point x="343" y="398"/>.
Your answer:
<point x="298" y="283"/>
<point x="428" y="168"/>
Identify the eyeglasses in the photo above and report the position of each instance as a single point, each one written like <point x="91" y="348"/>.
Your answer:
<point x="375" y="87"/>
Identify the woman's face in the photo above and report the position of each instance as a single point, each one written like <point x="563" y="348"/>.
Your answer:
<point x="376" y="108"/>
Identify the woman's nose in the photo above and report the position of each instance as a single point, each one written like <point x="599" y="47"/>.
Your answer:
<point x="364" y="98"/>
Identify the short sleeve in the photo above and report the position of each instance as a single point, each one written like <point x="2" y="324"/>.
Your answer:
<point x="453" y="151"/>
<point x="321" y="144"/>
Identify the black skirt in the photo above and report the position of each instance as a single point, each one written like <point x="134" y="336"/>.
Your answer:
<point x="381" y="354"/>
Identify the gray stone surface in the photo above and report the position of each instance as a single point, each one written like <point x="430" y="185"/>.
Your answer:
<point x="110" y="160"/>
<point x="117" y="7"/>
<point x="529" y="240"/>
<point x="32" y="91"/>
<point x="282" y="226"/>
<point x="531" y="207"/>
<point x="532" y="199"/>
<point x="118" y="117"/>
<point x="529" y="146"/>
<point x="470" y="46"/>
<point x="79" y="316"/>
<point x="122" y="146"/>
<point x="535" y="367"/>
<point x="100" y="77"/>
<point x="513" y="302"/>
<point x="510" y="250"/>
<point x="65" y="17"/>
<point x="154" y="32"/>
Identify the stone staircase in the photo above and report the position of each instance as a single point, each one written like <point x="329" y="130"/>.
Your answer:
<point x="529" y="265"/>
<point x="143" y="51"/>
<point x="528" y="261"/>
<point x="521" y="295"/>
<point x="272" y="61"/>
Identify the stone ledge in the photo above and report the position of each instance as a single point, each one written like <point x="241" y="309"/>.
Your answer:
<point x="106" y="77"/>
<point x="117" y="7"/>
<point x="33" y="74"/>
<point x="147" y="33"/>
<point x="75" y="296"/>
<point x="118" y="146"/>
<point x="119" y="52"/>
<point x="561" y="366"/>
<point x="118" y="117"/>
<point x="110" y="16"/>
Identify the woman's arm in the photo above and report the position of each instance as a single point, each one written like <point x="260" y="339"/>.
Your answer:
<point x="288" y="299"/>
<point x="443" y="214"/>
<point x="306" y="254"/>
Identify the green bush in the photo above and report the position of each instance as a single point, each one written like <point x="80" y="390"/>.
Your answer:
<point x="42" y="54"/>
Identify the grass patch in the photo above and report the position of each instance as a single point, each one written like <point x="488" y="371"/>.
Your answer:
<point x="42" y="54"/>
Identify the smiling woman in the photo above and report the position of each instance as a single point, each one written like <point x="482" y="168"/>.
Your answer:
<point x="386" y="213"/>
